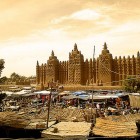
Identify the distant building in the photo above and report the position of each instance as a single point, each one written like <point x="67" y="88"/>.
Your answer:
<point x="105" y="70"/>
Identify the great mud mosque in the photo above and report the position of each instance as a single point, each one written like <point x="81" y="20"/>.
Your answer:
<point x="105" y="70"/>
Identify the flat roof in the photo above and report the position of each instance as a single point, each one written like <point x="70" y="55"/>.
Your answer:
<point x="68" y="129"/>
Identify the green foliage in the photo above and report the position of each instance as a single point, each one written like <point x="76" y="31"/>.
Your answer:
<point x="1" y="65"/>
<point x="3" y="80"/>
<point x="2" y="96"/>
<point x="132" y="84"/>
<point x="14" y="77"/>
<point x="19" y="78"/>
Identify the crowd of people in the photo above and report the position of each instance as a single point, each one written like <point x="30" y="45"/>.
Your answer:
<point x="111" y="106"/>
<point x="104" y="108"/>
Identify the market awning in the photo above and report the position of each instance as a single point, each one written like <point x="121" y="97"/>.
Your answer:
<point x="64" y="93"/>
<point x="43" y="92"/>
<point x="107" y="96"/>
<point x="69" y="97"/>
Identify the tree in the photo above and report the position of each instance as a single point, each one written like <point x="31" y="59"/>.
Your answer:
<point x="19" y="79"/>
<point x="2" y="96"/>
<point x="1" y="65"/>
<point x="132" y="84"/>
<point x="3" y="80"/>
<point x="14" y="77"/>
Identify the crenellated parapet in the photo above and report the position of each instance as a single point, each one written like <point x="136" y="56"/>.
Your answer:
<point x="90" y="73"/>
<point x="97" y="72"/>
<point x="37" y="73"/>
<point x="138" y="64"/>
<point x="115" y="71"/>
<point x="44" y="73"/>
<point x="133" y="61"/>
<point x="41" y="73"/>
<point x="63" y="72"/>
<point x="104" y="70"/>
<point x="124" y="68"/>
<point x="128" y="66"/>
<point x="120" y="70"/>
<point x="86" y="72"/>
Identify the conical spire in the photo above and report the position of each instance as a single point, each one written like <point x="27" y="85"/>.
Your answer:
<point x="105" y="50"/>
<point x="105" y="46"/>
<point x="138" y="54"/>
<point x="37" y="63"/>
<point x="52" y="53"/>
<point x="75" y="47"/>
<point x="93" y="53"/>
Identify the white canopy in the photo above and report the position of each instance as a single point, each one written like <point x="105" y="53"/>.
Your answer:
<point x="135" y="94"/>
<point x="27" y="88"/>
<point x="107" y="96"/>
<point x="42" y="92"/>
<point x="8" y="93"/>
<point x="65" y="93"/>
<point x="20" y="92"/>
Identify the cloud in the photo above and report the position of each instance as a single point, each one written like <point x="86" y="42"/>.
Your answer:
<point x="96" y="17"/>
<point x="86" y="14"/>
<point x="21" y="18"/>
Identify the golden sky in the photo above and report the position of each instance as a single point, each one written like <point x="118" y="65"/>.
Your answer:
<point x="31" y="29"/>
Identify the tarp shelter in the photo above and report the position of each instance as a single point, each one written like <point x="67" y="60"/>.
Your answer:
<point x="8" y="93"/>
<point x="69" y="97"/>
<point x="107" y="96"/>
<point x="134" y="100"/>
<point x="14" y="89"/>
<point x="27" y="88"/>
<point x="27" y="95"/>
<point x="79" y="93"/>
<point x="111" y="108"/>
<point x="22" y="92"/>
<point x="83" y="97"/>
<point x="64" y="93"/>
<point x="43" y="92"/>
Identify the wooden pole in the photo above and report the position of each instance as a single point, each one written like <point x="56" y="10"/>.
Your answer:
<point x="49" y="104"/>
<point x="92" y="116"/>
